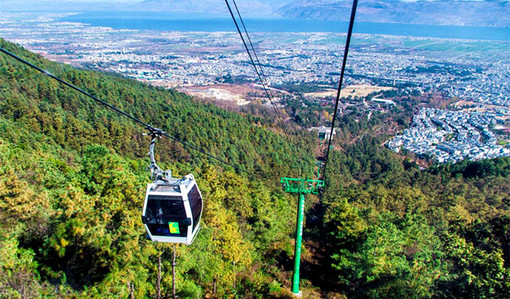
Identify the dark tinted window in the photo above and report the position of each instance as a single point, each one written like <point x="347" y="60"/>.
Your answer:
<point x="195" y="201"/>
<point x="165" y="206"/>
<point x="164" y="211"/>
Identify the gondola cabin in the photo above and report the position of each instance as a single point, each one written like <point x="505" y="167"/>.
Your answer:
<point x="172" y="210"/>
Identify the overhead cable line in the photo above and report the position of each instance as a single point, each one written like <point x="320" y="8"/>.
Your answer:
<point x="346" y="52"/>
<point x="250" y="42"/>
<point x="251" y="57"/>
<point x="257" y="60"/>
<point x="152" y="130"/>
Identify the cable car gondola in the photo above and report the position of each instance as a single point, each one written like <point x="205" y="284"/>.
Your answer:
<point x="172" y="207"/>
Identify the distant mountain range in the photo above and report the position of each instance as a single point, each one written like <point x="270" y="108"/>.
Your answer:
<point x="218" y="7"/>
<point x="161" y="7"/>
<point x="461" y="13"/>
<point x="200" y="6"/>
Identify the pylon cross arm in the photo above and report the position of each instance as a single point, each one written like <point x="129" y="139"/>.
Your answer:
<point x="293" y="185"/>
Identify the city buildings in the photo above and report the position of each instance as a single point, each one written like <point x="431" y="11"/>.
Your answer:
<point x="449" y="136"/>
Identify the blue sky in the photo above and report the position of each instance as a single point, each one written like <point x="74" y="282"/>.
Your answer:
<point x="39" y="2"/>
<point x="69" y="1"/>
<point x="26" y="2"/>
<point x="134" y="1"/>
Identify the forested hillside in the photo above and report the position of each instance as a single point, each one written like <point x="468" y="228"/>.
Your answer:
<point x="396" y="230"/>
<point x="73" y="176"/>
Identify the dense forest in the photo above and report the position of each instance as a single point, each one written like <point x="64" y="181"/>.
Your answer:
<point x="73" y="176"/>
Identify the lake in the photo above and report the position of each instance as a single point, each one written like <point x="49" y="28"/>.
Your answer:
<point x="164" y="22"/>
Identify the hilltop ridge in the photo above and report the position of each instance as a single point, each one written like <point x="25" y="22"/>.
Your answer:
<point x="492" y="13"/>
<point x="73" y="176"/>
<point x="28" y="98"/>
<point x="458" y="13"/>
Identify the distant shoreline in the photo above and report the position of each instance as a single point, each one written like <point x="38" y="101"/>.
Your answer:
<point x="144" y="21"/>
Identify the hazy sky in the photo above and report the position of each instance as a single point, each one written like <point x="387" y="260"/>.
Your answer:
<point x="88" y="1"/>
<point x="39" y="2"/>
<point x="24" y="2"/>
<point x="134" y="1"/>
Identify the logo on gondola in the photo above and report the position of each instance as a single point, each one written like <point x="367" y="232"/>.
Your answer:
<point x="174" y="227"/>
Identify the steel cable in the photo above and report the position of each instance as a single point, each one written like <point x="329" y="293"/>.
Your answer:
<point x="149" y="127"/>
<point x="251" y="59"/>
<point x="344" y="61"/>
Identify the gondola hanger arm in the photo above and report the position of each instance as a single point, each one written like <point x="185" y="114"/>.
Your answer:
<point x="157" y="173"/>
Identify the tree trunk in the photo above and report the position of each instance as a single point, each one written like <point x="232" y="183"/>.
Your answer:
<point x="131" y="290"/>
<point x="158" y="287"/>
<point x="174" y="263"/>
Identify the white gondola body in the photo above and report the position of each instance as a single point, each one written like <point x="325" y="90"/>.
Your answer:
<point x="172" y="210"/>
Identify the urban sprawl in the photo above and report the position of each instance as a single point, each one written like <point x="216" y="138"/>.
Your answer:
<point x="470" y="71"/>
<point x="450" y="136"/>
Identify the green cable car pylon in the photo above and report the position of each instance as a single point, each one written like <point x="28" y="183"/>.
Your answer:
<point x="302" y="187"/>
